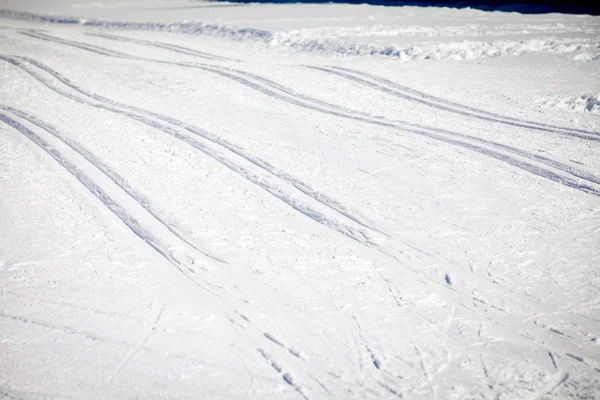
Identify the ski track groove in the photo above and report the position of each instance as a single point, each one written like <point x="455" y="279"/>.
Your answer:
<point x="133" y="225"/>
<point x="117" y="209"/>
<point x="404" y="92"/>
<point x="289" y="349"/>
<point x="432" y="133"/>
<point x="418" y="274"/>
<point x="323" y="199"/>
<point x="153" y="317"/>
<point x="162" y="45"/>
<point x="226" y="72"/>
<point x="286" y="376"/>
<point x="528" y="167"/>
<point x="64" y="329"/>
<point x="391" y="390"/>
<point x="83" y="46"/>
<point x="317" y="217"/>
<point x="114" y="176"/>
<point x="348" y="231"/>
<point x="262" y="79"/>
<point x="405" y="126"/>
<point x="73" y="306"/>
<point x="94" y="337"/>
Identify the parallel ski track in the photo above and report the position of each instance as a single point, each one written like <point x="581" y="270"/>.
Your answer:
<point x="168" y="46"/>
<point x="113" y="175"/>
<point x="435" y="134"/>
<point x="109" y="105"/>
<point x="82" y="46"/>
<point x="294" y="97"/>
<point x="104" y="197"/>
<point x="304" y="188"/>
<point x="407" y="93"/>
<point x="380" y="249"/>
<point x="545" y="342"/>
<point x="258" y="335"/>
<point x="451" y="294"/>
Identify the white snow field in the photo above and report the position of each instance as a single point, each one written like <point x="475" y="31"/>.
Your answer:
<point x="304" y="201"/>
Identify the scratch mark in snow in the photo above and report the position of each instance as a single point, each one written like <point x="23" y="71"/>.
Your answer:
<point x="391" y="390"/>
<point x="153" y="317"/>
<point x="292" y="351"/>
<point x="580" y="359"/>
<point x="561" y="382"/>
<point x="286" y="376"/>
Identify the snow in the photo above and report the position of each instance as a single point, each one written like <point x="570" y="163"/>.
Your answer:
<point x="220" y="200"/>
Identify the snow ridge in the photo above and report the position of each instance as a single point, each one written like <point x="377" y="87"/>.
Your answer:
<point x="457" y="50"/>
<point x="198" y="28"/>
<point x="327" y="40"/>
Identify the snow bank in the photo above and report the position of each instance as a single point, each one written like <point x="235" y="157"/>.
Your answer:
<point x="460" y="42"/>
<point x="461" y="50"/>
<point x="585" y="103"/>
<point x="198" y="28"/>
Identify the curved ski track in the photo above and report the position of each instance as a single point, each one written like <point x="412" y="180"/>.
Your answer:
<point x="501" y="320"/>
<point x="168" y="46"/>
<point x="114" y="206"/>
<point x="237" y="78"/>
<point x="321" y="106"/>
<point x="304" y="188"/>
<point x="370" y="243"/>
<point x="211" y="148"/>
<point x="361" y="238"/>
<point x="406" y="93"/>
<point x="258" y="335"/>
<point x="113" y="175"/>
<point x="293" y="96"/>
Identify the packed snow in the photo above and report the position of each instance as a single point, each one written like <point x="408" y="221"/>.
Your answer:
<point x="308" y="201"/>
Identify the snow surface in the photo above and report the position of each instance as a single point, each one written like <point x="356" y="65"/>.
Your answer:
<point x="254" y="201"/>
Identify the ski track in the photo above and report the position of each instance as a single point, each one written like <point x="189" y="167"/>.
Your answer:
<point x="114" y="176"/>
<point x="422" y="130"/>
<point x="304" y="188"/>
<point x="398" y="125"/>
<point x="404" y="92"/>
<point x="156" y="310"/>
<point x="120" y="211"/>
<point x="403" y="126"/>
<point x="286" y="376"/>
<point x="162" y="45"/>
<point x="361" y="238"/>
<point x="547" y="341"/>
<point x="226" y="72"/>
<point x="211" y="151"/>
<point x="261" y="79"/>
<point x="266" y="166"/>
<point x="116" y="208"/>
<point x="452" y="295"/>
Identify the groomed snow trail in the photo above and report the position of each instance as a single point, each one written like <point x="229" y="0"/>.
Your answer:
<point x="297" y="201"/>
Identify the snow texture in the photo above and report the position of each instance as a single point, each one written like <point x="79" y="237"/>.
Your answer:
<point x="304" y="201"/>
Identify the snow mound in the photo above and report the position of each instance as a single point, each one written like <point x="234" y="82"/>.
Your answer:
<point x="198" y="28"/>
<point x="376" y="40"/>
<point x="585" y="103"/>
<point x="587" y="56"/>
<point x="311" y="41"/>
